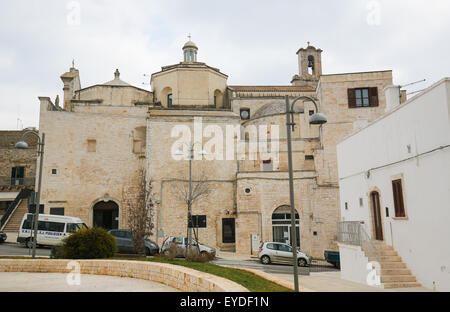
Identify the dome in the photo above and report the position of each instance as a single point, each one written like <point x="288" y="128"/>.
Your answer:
<point x="274" y="108"/>
<point x="190" y="44"/>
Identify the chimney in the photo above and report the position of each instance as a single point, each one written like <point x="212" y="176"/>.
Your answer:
<point x="71" y="81"/>
<point x="392" y="94"/>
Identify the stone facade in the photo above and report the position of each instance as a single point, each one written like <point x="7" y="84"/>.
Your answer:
<point x="10" y="158"/>
<point x="107" y="133"/>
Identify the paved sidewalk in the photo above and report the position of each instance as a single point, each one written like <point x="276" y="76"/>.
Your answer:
<point x="55" y="282"/>
<point x="332" y="282"/>
<point x="316" y="281"/>
<point x="233" y="256"/>
<point x="11" y="237"/>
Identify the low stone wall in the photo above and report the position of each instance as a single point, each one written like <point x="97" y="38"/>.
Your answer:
<point x="182" y="278"/>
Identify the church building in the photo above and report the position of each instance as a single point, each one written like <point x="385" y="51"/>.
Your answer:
<point x="103" y="136"/>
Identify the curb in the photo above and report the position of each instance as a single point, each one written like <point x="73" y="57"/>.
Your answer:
<point x="274" y="279"/>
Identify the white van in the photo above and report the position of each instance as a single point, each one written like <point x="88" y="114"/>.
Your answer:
<point x="52" y="229"/>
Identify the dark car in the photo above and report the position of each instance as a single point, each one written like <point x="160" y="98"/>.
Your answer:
<point x="2" y="237"/>
<point x="333" y="258"/>
<point x="125" y="245"/>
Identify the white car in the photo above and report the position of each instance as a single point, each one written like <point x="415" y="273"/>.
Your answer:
<point x="51" y="229"/>
<point x="180" y="245"/>
<point x="271" y="252"/>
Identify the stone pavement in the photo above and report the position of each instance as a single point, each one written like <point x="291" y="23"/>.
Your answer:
<point x="56" y="282"/>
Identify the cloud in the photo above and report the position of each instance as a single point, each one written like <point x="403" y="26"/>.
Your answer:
<point x="253" y="42"/>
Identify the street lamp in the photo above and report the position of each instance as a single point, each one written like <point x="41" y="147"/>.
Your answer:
<point x="40" y="151"/>
<point x="189" y="217"/>
<point x="315" y="119"/>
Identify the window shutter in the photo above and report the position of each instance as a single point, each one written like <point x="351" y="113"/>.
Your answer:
<point x="398" y="198"/>
<point x="373" y="97"/>
<point x="351" y="98"/>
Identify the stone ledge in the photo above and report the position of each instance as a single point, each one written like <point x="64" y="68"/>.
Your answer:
<point x="274" y="279"/>
<point x="182" y="278"/>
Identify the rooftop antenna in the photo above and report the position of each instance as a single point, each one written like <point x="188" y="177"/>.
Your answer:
<point x="19" y="120"/>
<point x="410" y="84"/>
<point x="189" y="36"/>
<point x="145" y="83"/>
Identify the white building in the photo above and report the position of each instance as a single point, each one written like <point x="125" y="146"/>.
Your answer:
<point x="394" y="177"/>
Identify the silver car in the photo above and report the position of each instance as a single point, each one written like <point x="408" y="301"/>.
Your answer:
<point x="180" y="245"/>
<point x="273" y="252"/>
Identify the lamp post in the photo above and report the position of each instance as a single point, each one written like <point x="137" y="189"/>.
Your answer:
<point x="189" y="216"/>
<point x="315" y="119"/>
<point x="23" y="145"/>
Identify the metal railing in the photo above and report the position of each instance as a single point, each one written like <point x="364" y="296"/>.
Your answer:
<point x="24" y="193"/>
<point x="8" y="181"/>
<point x="354" y="233"/>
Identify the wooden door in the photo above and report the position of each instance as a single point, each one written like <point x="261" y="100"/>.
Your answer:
<point x="376" y="212"/>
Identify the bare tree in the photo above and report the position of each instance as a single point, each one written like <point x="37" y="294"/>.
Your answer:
<point x="200" y="190"/>
<point x="140" y="206"/>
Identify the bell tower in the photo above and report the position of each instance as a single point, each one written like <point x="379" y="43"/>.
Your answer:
<point x="190" y="51"/>
<point x="309" y="65"/>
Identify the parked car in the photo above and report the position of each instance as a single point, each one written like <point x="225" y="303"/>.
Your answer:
<point x="180" y="244"/>
<point x="2" y="237"/>
<point x="125" y="244"/>
<point x="52" y="229"/>
<point x="273" y="252"/>
<point x="333" y="258"/>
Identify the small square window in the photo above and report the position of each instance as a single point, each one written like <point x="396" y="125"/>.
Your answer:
<point x="54" y="171"/>
<point x="92" y="146"/>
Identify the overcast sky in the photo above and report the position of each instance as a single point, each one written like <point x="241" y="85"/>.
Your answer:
<point x="253" y="42"/>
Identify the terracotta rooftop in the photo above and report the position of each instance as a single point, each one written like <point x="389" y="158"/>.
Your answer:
<point x="272" y="89"/>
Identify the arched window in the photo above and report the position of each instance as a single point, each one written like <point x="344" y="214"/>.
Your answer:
<point x="281" y="225"/>
<point x="218" y="99"/>
<point x="311" y="65"/>
<point x="166" y="97"/>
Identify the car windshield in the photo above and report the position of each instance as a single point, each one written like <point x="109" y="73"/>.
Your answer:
<point x="194" y="242"/>
<point x="73" y="227"/>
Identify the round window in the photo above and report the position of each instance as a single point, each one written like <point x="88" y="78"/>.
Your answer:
<point x="245" y="114"/>
<point x="247" y="191"/>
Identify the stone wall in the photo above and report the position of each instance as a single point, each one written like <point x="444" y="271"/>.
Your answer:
<point x="93" y="157"/>
<point x="11" y="157"/>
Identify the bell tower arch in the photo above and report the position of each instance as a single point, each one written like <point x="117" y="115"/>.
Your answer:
<point x="309" y="67"/>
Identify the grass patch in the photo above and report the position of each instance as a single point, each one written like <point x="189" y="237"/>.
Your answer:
<point x="249" y="280"/>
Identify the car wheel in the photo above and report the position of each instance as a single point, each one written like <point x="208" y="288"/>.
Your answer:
<point x="147" y="251"/>
<point x="265" y="260"/>
<point x="29" y="243"/>
<point x="302" y="262"/>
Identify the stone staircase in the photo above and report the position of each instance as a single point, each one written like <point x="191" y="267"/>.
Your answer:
<point x="393" y="272"/>
<point x="13" y="224"/>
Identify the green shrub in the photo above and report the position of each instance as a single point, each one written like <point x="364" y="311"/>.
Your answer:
<point x="92" y="243"/>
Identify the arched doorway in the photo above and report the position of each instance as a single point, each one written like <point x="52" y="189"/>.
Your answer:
<point x="376" y="214"/>
<point x="106" y="215"/>
<point x="281" y="225"/>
